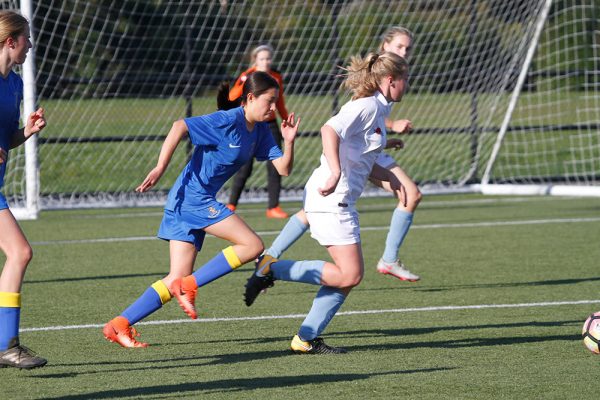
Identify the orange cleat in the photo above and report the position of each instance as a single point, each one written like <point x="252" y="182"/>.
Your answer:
<point x="232" y="207"/>
<point x="118" y="330"/>
<point x="185" y="289"/>
<point x="276" y="212"/>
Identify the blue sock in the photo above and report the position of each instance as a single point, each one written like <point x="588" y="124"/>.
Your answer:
<point x="151" y="300"/>
<point x="221" y="264"/>
<point x="10" y="314"/>
<point x="298" y="271"/>
<point x="399" y="226"/>
<point x="326" y="304"/>
<point x="291" y="232"/>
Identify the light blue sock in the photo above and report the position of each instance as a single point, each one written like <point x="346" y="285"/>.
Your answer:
<point x="298" y="271"/>
<point x="291" y="232"/>
<point x="399" y="226"/>
<point x="326" y="304"/>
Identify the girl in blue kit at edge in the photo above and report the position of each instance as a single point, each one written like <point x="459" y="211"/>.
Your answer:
<point x="14" y="46"/>
<point x="224" y="141"/>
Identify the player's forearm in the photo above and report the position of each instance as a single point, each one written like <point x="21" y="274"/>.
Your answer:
<point x="388" y="124"/>
<point x="18" y="138"/>
<point x="331" y="149"/>
<point x="285" y="163"/>
<point x="177" y="132"/>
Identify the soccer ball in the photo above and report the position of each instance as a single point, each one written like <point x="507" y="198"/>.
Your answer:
<point x="591" y="333"/>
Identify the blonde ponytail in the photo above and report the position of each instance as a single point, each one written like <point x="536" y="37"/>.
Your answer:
<point x="364" y="75"/>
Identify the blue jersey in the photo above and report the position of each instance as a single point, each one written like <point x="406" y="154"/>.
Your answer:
<point x="223" y="145"/>
<point x="11" y="94"/>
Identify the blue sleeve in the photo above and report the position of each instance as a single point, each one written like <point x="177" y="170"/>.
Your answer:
<point x="208" y="130"/>
<point x="19" y="101"/>
<point x="266" y="148"/>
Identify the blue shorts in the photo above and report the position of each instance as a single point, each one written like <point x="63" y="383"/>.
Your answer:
<point x="3" y="203"/>
<point x="188" y="225"/>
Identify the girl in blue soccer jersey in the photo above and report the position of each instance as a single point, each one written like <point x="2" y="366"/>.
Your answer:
<point x="224" y="141"/>
<point x="398" y="40"/>
<point x="352" y="141"/>
<point x="14" y="45"/>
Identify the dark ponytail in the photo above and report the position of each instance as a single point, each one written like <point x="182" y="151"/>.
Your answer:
<point x="256" y="83"/>
<point x="223" y="102"/>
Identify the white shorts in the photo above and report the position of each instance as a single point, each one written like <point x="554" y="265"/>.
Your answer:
<point x="331" y="229"/>
<point x="384" y="160"/>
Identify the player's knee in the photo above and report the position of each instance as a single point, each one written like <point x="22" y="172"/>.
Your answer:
<point x="21" y="255"/>
<point x="416" y="197"/>
<point x="352" y="280"/>
<point x="256" y="246"/>
<point x="413" y="198"/>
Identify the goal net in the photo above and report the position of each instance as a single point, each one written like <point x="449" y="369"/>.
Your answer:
<point x="501" y="92"/>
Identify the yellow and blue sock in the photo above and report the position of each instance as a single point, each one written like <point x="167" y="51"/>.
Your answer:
<point x="399" y="226"/>
<point x="291" y="232"/>
<point x="306" y="271"/>
<point x="10" y="314"/>
<point x="151" y="300"/>
<point x="326" y="304"/>
<point x="221" y="264"/>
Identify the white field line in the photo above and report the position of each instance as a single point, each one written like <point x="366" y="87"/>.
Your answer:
<point x="363" y="228"/>
<point x="371" y="206"/>
<point x="345" y="313"/>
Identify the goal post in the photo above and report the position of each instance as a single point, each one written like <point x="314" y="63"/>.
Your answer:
<point x="502" y="93"/>
<point x="558" y="180"/>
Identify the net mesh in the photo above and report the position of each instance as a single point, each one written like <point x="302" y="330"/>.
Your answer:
<point x="114" y="75"/>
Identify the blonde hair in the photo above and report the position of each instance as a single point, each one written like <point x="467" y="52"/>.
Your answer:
<point x="12" y="25"/>
<point x="364" y="75"/>
<point x="258" y="49"/>
<point x="392" y="32"/>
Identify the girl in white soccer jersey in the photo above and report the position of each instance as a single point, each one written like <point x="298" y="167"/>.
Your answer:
<point x="224" y="141"/>
<point x="397" y="40"/>
<point x="14" y="45"/>
<point x="352" y="141"/>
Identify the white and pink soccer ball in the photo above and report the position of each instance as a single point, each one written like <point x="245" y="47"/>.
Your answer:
<point x="591" y="333"/>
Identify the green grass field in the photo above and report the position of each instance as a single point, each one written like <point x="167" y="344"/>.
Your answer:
<point x="485" y="322"/>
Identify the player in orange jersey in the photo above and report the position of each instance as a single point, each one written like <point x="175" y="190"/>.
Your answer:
<point x="262" y="60"/>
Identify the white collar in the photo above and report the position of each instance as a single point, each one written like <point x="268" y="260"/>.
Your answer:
<point x="384" y="102"/>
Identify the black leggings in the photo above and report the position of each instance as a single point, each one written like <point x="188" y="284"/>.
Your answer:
<point x="273" y="177"/>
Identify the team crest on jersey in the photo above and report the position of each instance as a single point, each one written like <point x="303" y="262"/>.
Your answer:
<point x="213" y="212"/>
<point x="378" y="130"/>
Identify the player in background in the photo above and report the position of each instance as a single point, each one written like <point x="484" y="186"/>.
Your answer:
<point x="14" y="45"/>
<point x="224" y="141"/>
<point x="262" y="60"/>
<point x="397" y="40"/>
<point x="352" y="141"/>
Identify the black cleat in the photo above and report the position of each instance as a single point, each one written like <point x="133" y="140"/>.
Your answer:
<point x="315" y="346"/>
<point x="261" y="278"/>
<point x="18" y="356"/>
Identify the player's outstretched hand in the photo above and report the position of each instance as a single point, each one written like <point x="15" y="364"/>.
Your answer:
<point x="289" y="128"/>
<point x="151" y="180"/>
<point x="394" y="143"/>
<point x="402" y="126"/>
<point x="35" y="122"/>
<point x="329" y="186"/>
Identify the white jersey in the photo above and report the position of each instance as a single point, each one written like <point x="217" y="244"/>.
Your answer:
<point x="360" y="125"/>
